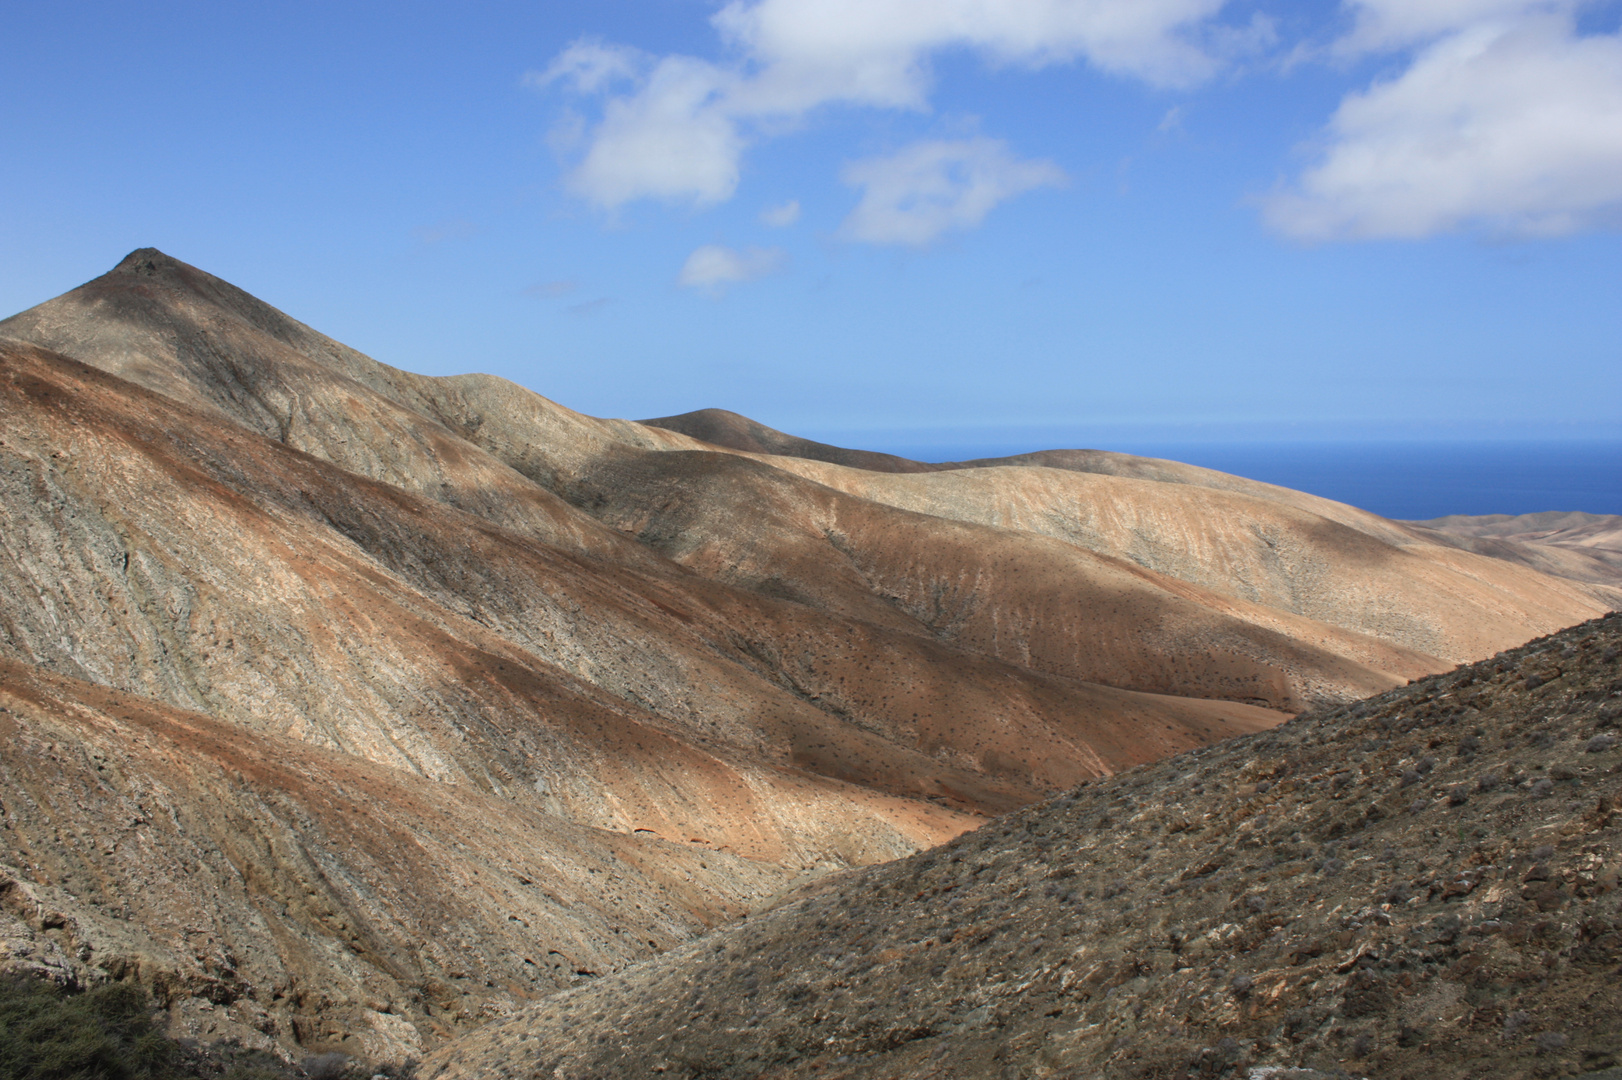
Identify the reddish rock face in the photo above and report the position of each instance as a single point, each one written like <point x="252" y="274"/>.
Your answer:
<point x="661" y="678"/>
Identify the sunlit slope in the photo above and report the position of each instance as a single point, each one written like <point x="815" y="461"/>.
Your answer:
<point x="266" y="888"/>
<point x="1581" y="546"/>
<point x="174" y="556"/>
<point x="1307" y="556"/>
<point x="492" y="449"/>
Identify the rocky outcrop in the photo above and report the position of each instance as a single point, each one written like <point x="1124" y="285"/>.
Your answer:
<point x="1422" y="885"/>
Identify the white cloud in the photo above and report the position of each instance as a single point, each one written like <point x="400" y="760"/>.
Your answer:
<point x="670" y="140"/>
<point x="713" y="267"/>
<point x="1394" y="24"/>
<point x="1512" y="125"/>
<point x="682" y="129"/>
<point x="589" y="66"/>
<point x="780" y="217"/>
<point x="928" y="188"/>
<point x="876" y="51"/>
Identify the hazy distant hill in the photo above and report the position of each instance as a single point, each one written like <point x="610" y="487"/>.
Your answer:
<point x="728" y="429"/>
<point x="1584" y="547"/>
<point x="347" y="707"/>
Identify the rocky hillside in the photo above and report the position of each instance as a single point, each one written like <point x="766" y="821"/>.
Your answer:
<point x="349" y="708"/>
<point x="283" y="895"/>
<point x="1421" y="885"/>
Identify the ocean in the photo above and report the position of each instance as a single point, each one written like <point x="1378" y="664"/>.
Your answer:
<point x="1412" y="480"/>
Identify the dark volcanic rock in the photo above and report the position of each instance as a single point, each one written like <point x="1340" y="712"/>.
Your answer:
<point x="1278" y="902"/>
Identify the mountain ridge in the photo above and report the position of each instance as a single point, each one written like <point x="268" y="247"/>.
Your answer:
<point x="684" y="677"/>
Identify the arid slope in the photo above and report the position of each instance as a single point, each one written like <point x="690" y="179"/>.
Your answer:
<point x="1422" y="886"/>
<point x="1334" y="564"/>
<point x="488" y="448"/>
<point x="719" y="427"/>
<point x="1584" y="547"/>
<point x="1298" y="553"/>
<point x="277" y="893"/>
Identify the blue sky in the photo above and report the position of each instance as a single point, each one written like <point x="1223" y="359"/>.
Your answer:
<point x="881" y="222"/>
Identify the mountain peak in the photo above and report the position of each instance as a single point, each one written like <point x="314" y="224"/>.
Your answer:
<point x="148" y="261"/>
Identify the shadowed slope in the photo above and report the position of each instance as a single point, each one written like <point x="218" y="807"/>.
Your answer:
<point x="1422" y="886"/>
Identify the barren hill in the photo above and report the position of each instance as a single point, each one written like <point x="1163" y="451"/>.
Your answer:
<point x="270" y="610"/>
<point x="1585" y="547"/>
<point x="722" y="428"/>
<point x="1257" y="542"/>
<point x="1422" y="885"/>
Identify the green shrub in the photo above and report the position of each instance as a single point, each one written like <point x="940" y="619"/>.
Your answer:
<point x="47" y="1033"/>
<point x="50" y="1033"/>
